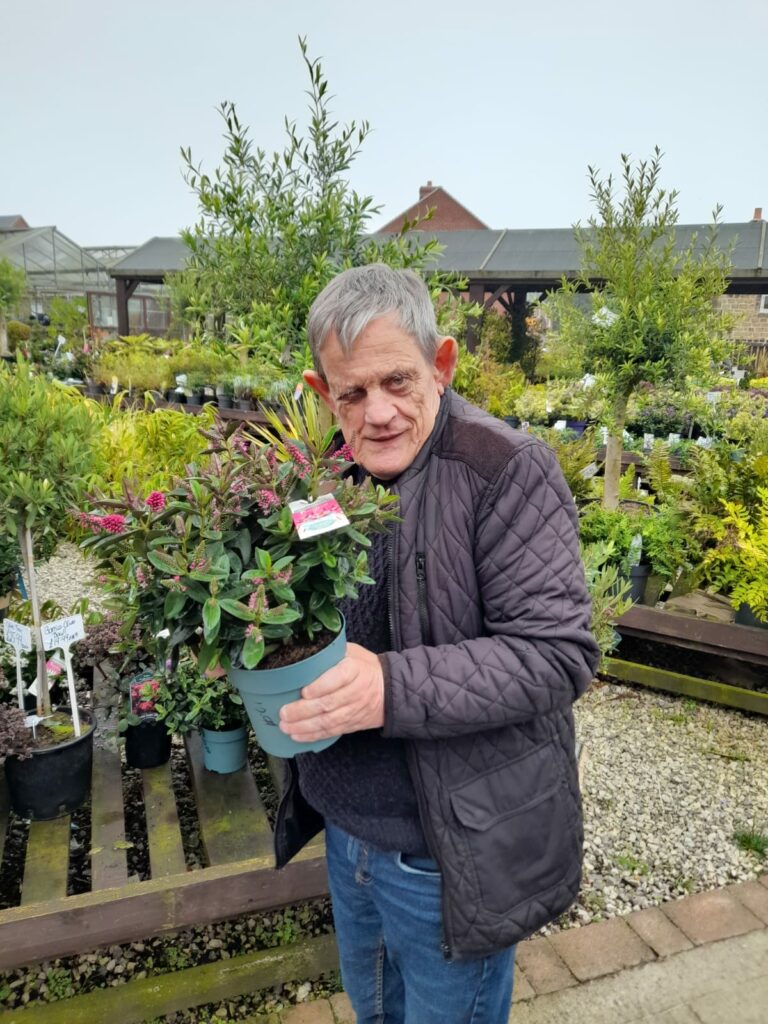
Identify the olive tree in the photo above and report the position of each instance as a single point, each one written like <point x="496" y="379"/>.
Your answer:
<point x="273" y="230"/>
<point x="13" y="285"/>
<point x="653" y="315"/>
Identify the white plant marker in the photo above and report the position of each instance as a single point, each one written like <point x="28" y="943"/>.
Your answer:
<point x="20" y="639"/>
<point x="62" y="633"/>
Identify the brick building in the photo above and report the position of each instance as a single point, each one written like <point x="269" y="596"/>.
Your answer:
<point x="449" y="214"/>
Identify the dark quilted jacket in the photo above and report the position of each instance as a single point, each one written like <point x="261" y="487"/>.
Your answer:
<point x="491" y="646"/>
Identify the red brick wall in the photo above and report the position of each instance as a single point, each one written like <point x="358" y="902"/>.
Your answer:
<point x="449" y="214"/>
<point x="751" y="324"/>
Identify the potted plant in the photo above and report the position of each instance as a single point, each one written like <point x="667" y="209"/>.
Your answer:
<point x="225" y="392"/>
<point x="187" y="700"/>
<point x="147" y="740"/>
<point x="738" y="564"/>
<point x="623" y="532"/>
<point x="242" y="389"/>
<point x="221" y="563"/>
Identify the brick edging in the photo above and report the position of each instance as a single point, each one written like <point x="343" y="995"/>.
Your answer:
<point x="550" y="963"/>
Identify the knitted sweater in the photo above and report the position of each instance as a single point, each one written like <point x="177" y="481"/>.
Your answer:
<point x="361" y="783"/>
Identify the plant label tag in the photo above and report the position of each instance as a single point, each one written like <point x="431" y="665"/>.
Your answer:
<point x="63" y="632"/>
<point x="16" y="635"/>
<point x="559" y="425"/>
<point x="648" y="440"/>
<point x="312" y="518"/>
<point x="673" y="438"/>
<point x="589" y="471"/>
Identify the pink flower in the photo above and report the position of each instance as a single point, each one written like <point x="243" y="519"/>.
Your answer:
<point x="141" y="579"/>
<point x="112" y="523"/>
<point x="267" y="500"/>
<point x="284" y="576"/>
<point x="156" y="501"/>
<point x="346" y="453"/>
<point x="300" y="460"/>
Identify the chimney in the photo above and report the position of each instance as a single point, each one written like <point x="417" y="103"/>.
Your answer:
<point x="758" y="214"/>
<point x="425" y="190"/>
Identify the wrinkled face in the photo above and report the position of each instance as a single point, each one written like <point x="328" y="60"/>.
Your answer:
<point x="384" y="393"/>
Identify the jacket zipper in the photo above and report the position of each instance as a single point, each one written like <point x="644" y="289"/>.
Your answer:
<point x="421" y="597"/>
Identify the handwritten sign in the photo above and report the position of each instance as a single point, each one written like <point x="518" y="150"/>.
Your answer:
<point x="63" y="632"/>
<point x="16" y="635"/>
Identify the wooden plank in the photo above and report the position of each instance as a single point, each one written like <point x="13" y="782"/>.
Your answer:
<point x="47" y="861"/>
<point x="108" y="858"/>
<point x="5" y="810"/>
<point x="142" y="909"/>
<point x="166" y="852"/>
<point x="724" y="639"/>
<point x="233" y="822"/>
<point x="145" y="999"/>
<point x="688" y="686"/>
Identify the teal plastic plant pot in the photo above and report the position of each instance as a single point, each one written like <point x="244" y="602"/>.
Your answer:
<point x="225" y="751"/>
<point x="265" y="691"/>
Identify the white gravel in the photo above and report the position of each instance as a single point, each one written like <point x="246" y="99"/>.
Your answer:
<point x="667" y="782"/>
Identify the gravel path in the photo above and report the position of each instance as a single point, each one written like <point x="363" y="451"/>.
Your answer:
<point x="67" y="577"/>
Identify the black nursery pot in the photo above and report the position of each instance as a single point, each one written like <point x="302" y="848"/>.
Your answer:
<point x="54" y="781"/>
<point x="148" y="744"/>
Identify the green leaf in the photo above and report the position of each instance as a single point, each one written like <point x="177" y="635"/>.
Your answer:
<point x="329" y="617"/>
<point x="174" y="604"/>
<point x="163" y="562"/>
<point x="280" y="615"/>
<point x="253" y="650"/>
<point x="238" y="609"/>
<point x="211" y="619"/>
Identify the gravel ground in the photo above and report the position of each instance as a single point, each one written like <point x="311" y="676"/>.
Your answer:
<point x="667" y="783"/>
<point x="66" y="578"/>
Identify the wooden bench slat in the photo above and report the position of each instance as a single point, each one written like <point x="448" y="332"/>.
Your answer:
<point x="688" y="686"/>
<point x="108" y="857"/>
<point x="166" y="852"/>
<point x="233" y="822"/>
<point x="47" y="861"/>
<point x="703" y="635"/>
<point x="141" y="909"/>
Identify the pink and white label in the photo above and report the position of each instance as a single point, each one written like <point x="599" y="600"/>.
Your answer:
<point x="316" y="517"/>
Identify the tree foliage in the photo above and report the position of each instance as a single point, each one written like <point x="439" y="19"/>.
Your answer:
<point x="13" y="285"/>
<point x="653" y="315"/>
<point x="273" y="230"/>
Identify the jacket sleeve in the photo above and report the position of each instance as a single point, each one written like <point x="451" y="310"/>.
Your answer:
<point x="537" y="651"/>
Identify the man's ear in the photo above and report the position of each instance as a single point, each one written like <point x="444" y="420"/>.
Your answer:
<point x="446" y="359"/>
<point x="320" y="385"/>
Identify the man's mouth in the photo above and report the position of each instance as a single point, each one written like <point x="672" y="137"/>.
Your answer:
<point x="382" y="439"/>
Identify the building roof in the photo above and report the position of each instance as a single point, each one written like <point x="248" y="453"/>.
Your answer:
<point x="448" y="213"/>
<point x="51" y="260"/>
<point x="12" y="222"/>
<point x="533" y="255"/>
<point x="154" y="259"/>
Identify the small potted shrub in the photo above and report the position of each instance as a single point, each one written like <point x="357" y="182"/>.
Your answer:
<point x="187" y="700"/>
<point x="242" y="389"/>
<point x="225" y="392"/>
<point x="147" y="739"/>
<point x="248" y="583"/>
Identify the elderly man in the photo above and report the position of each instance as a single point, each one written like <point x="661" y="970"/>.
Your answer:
<point x="451" y="802"/>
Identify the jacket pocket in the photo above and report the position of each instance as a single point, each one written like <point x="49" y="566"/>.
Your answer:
<point x="518" y="827"/>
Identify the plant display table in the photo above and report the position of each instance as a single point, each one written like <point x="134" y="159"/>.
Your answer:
<point x="238" y="878"/>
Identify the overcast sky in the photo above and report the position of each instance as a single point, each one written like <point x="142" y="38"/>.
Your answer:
<point x="503" y="104"/>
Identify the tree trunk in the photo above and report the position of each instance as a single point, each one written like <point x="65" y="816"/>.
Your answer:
<point x="43" y="696"/>
<point x="613" y="453"/>
<point x="4" y="351"/>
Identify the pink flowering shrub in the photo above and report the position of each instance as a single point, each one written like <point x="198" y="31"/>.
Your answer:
<point x="216" y="560"/>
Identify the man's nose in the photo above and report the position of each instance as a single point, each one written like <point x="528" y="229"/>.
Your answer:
<point x="379" y="409"/>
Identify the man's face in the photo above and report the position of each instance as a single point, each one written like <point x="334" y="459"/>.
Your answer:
<point x="385" y="394"/>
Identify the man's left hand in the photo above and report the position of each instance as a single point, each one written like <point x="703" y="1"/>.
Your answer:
<point x="347" y="698"/>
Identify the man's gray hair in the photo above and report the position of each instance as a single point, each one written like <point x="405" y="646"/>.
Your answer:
<point x="356" y="297"/>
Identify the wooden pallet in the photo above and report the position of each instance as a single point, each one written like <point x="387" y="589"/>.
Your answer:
<point x="239" y="877"/>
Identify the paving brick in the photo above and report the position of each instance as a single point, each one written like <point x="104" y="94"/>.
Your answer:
<point x="342" y="1008"/>
<point x="601" y="948"/>
<point x="754" y="896"/>
<point x="317" y="1012"/>
<point x="522" y="987"/>
<point x="709" y="916"/>
<point x="657" y="931"/>
<point x="544" y="970"/>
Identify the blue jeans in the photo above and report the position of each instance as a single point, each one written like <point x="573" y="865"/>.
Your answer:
<point x="387" y="913"/>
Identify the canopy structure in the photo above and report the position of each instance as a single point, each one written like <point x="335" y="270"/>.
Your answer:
<point x="502" y="266"/>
